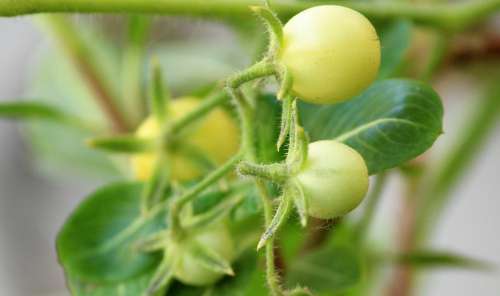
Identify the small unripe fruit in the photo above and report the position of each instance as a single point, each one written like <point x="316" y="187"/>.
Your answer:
<point x="188" y="270"/>
<point x="215" y="135"/>
<point x="332" y="52"/>
<point x="334" y="179"/>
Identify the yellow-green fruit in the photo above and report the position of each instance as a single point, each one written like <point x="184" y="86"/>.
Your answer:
<point x="190" y="271"/>
<point x="334" y="179"/>
<point x="332" y="52"/>
<point x="215" y="135"/>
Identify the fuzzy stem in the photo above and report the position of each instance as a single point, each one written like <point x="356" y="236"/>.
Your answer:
<point x="246" y="113"/>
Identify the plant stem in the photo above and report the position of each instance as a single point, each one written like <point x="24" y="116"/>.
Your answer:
<point x="246" y="113"/>
<point x="456" y="15"/>
<point x="68" y="36"/>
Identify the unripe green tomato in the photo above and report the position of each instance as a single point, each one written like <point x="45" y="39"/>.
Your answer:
<point x="216" y="135"/>
<point x="191" y="272"/>
<point x="332" y="52"/>
<point x="334" y="179"/>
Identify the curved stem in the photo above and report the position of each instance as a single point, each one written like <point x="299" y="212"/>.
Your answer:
<point x="456" y="15"/>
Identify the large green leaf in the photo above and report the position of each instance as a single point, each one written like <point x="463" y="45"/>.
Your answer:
<point x="328" y="270"/>
<point x="395" y="39"/>
<point x="392" y="122"/>
<point x="96" y="244"/>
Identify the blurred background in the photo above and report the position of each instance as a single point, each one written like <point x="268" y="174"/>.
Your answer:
<point x="35" y="198"/>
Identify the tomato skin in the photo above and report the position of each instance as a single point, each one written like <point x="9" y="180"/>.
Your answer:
<point x="332" y="52"/>
<point x="188" y="270"/>
<point x="216" y="135"/>
<point x="334" y="179"/>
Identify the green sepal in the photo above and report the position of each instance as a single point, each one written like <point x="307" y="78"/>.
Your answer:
<point x="274" y="27"/>
<point x="158" y="92"/>
<point x="210" y="259"/>
<point x="278" y="220"/>
<point x="300" y="201"/>
<point x="122" y="144"/>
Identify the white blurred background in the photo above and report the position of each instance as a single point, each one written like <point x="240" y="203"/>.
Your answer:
<point x="33" y="206"/>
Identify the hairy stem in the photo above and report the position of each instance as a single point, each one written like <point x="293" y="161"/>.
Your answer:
<point x="246" y="113"/>
<point x="455" y="15"/>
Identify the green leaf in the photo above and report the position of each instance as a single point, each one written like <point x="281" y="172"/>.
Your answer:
<point x="56" y="82"/>
<point x="97" y="242"/>
<point x="440" y="259"/>
<point x="395" y="39"/>
<point x="331" y="269"/>
<point x="132" y="287"/>
<point x="392" y="122"/>
<point x="38" y="110"/>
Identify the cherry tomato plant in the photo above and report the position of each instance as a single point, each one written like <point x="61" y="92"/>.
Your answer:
<point x="232" y="187"/>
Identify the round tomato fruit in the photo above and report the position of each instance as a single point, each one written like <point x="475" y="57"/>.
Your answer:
<point x="332" y="53"/>
<point x="334" y="179"/>
<point x="216" y="136"/>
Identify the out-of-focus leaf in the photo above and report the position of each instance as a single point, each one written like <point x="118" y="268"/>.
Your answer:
<point x="328" y="270"/>
<point x="392" y="122"/>
<point x="131" y="287"/>
<point x="55" y="81"/>
<point x="96" y="243"/>
<point x="26" y="110"/>
<point x="440" y="259"/>
<point x="395" y="40"/>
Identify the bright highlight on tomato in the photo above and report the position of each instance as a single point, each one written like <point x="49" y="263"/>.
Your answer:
<point x="333" y="53"/>
<point x="216" y="136"/>
<point x="334" y="179"/>
<point x="187" y="269"/>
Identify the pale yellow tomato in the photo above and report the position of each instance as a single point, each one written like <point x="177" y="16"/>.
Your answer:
<point x="216" y="135"/>
<point x="334" y="179"/>
<point x="332" y="52"/>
